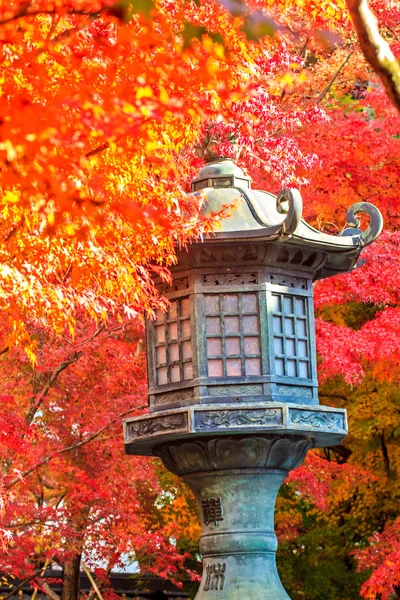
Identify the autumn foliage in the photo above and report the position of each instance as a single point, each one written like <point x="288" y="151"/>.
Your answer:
<point x="102" y="106"/>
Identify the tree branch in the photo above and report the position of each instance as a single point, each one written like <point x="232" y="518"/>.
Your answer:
<point x="50" y="593"/>
<point x="88" y="339"/>
<point x="92" y="337"/>
<point x="385" y="454"/>
<point x="56" y="453"/>
<point x="23" y="12"/>
<point x="340" y="396"/>
<point x="21" y="585"/>
<point x="100" y="584"/>
<point x="50" y="382"/>
<point x="375" y="49"/>
<point x="392" y="32"/>
<point x="343" y="452"/>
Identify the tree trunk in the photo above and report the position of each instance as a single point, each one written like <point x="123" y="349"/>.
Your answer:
<point x="376" y="49"/>
<point x="71" y="572"/>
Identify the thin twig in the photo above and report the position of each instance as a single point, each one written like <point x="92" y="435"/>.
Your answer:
<point x="303" y="48"/>
<point x="23" y="13"/>
<point x="97" y="150"/>
<point x="328" y="87"/>
<point x="54" y="23"/>
<point x="68" y="32"/>
<point x="94" y="336"/>
<point x="92" y="581"/>
<point x="92" y="592"/>
<point x="66" y="274"/>
<point x="35" y="591"/>
<point x="340" y="396"/>
<point x="392" y="31"/>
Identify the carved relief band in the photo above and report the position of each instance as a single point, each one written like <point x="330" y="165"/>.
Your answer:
<point x="317" y="419"/>
<point x="157" y="425"/>
<point x="170" y="397"/>
<point x="230" y="278"/>
<point x="288" y="281"/>
<point x="176" y="286"/>
<point x="270" y="418"/>
<point x="220" y="391"/>
<point x="295" y="391"/>
<point x="226" y="419"/>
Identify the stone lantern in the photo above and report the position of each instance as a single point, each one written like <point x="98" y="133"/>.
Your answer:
<point x="233" y="390"/>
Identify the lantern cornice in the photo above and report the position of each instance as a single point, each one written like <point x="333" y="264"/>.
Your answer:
<point x="258" y="217"/>
<point x="254" y="214"/>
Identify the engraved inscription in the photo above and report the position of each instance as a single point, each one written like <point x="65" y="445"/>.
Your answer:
<point x="291" y="390"/>
<point x="235" y="390"/>
<point x="288" y="281"/>
<point x="151" y="426"/>
<point x="215" y="577"/>
<point x="212" y="510"/>
<point x="169" y="397"/>
<point x="237" y="418"/>
<point x="230" y="278"/>
<point x="317" y="419"/>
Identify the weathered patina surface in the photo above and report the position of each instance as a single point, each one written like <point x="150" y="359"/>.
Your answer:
<point x="233" y="389"/>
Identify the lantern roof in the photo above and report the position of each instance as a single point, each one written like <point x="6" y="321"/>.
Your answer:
<point x="259" y="215"/>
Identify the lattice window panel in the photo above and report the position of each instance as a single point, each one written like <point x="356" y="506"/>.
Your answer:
<point x="290" y="333"/>
<point x="173" y="346"/>
<point x="232" y="335"/>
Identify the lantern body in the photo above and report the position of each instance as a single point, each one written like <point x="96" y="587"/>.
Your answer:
<point x="243" y="332"/>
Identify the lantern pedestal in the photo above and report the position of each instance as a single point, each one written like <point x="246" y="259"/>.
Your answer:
<point x="236" y="503"/>
<point x="234" y="458"/>
<point x="238" y="551"/>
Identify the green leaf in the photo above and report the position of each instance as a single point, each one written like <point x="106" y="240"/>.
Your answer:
<point x="125" y="9"/>
<point x="258" y="25"/>
<point x="191" y="32"/>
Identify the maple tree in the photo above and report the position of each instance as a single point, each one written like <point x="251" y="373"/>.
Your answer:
<point x="74" y="500"/>
<point x="101" y="107"/>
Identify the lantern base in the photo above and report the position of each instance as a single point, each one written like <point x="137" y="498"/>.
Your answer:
<point x="235" y="480"/>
